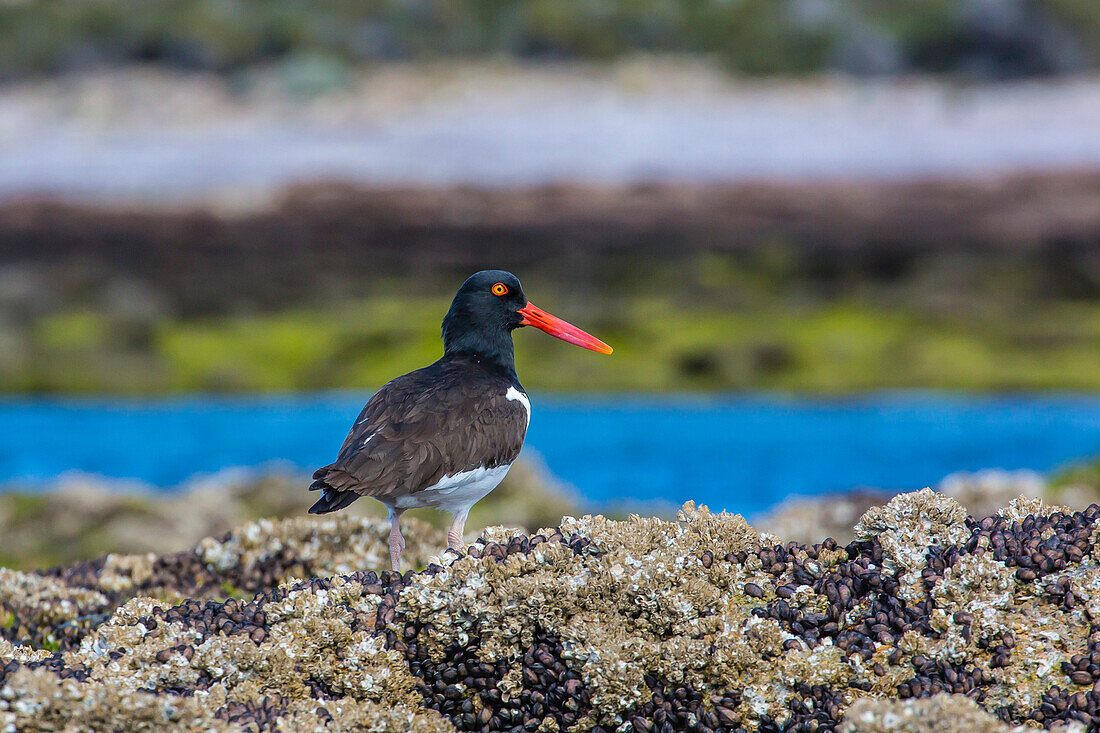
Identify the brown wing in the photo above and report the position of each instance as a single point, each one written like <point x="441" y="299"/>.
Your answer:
<point x="446" y="418"/>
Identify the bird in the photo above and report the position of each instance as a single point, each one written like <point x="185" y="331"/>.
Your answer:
<point x="444" y="436"/>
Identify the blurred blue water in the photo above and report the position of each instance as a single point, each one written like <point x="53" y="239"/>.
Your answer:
<point x="743" y="454"/>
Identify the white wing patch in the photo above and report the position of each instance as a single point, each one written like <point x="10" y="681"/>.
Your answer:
<point x="515" y="394"/>
<point x="369" y="437"/>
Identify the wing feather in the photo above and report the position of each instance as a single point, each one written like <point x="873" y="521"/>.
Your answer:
<point x="437" y="421"/>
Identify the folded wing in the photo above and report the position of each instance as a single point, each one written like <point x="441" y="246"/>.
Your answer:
<point x="434" y="422"/>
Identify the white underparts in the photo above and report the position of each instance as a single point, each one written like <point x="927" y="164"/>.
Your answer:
<point x="456" y="494"/>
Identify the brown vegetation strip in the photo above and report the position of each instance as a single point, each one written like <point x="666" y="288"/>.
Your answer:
<point x="280" y="256"/>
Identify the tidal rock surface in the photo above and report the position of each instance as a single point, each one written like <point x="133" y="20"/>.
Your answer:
<point x="931" y="619"/>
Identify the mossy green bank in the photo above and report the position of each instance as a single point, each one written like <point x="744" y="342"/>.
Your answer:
<point x="660" y="345"/>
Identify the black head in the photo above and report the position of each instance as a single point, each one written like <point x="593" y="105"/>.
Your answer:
<point x="488" y="307"/>
<point x="483" y="314"/>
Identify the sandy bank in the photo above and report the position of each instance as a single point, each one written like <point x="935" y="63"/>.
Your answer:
<point x="163" y="136"/>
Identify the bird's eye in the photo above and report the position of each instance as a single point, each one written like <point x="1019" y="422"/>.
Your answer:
<point x="500" y="289"/>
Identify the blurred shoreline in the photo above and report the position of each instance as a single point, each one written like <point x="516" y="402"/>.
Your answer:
<point x="79" y="516"/>
<point x="151" y="136"/>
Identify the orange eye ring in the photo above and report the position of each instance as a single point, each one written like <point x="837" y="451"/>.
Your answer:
<point x="500" y="289"/>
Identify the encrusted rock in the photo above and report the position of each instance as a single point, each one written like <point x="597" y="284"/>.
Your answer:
<point x="645" y="624"/>
<point x="907" y="526"/>
<point x="37" y="700"/>
<point x="937" y="713"/>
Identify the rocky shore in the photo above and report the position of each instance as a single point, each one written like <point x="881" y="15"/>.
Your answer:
<point x="930" y="616"/>
<point x="80" y="516"/>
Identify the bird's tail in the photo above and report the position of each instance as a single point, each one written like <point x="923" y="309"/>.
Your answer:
<point x="328" y="481"/>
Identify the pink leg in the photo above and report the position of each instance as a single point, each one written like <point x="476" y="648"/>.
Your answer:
<point x="454" y="535"/>
<point x="397" y="542"/>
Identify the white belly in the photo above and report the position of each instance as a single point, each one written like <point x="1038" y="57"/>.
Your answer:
<point x="456" y="494"/>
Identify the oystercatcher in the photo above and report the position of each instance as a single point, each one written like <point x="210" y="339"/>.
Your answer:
<point x="444" y="436"/>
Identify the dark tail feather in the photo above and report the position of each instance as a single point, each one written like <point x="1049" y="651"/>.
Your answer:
<point x="331" y="499"/>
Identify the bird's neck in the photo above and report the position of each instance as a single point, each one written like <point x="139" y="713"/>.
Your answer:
<point x="495" y="356"/>
<point x="489" y="345"/>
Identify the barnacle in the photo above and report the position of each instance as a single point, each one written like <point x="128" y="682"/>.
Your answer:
<point x="595" y="624"/>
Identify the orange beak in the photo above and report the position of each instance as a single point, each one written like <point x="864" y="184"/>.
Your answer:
<point x="558" y="328"/>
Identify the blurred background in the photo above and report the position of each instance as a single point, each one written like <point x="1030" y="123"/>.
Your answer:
<point x="842" y="248"/>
